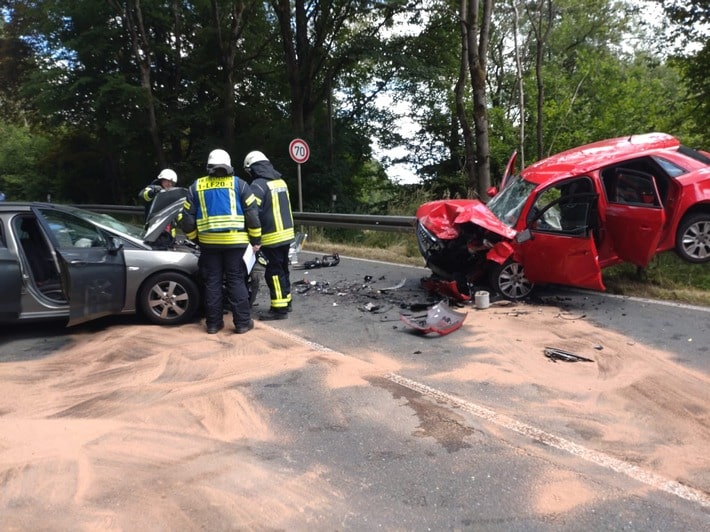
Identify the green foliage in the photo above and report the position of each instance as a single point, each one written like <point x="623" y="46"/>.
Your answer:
<point x="112" y="111"/>
<point x="667" y="277"/>
<point x="695" y="69"/>
<point x="22" y="154"/>
<point x="608" y="97"/>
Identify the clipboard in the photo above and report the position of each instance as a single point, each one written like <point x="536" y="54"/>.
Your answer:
<point x="249" y="258"/>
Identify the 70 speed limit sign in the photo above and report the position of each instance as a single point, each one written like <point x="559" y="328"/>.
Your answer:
<point x="299" y="150"/>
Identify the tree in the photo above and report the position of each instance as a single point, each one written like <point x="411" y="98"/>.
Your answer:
<point x="321" y="40"/>
<point x="691" y="19"/>
<point x="475" y="33"/>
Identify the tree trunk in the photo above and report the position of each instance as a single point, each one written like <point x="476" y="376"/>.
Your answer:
<point x="521" y="86"/>
<point x="468" y="166"/>
<point x="478" y="27"/>
<point x="294" y="59"/>
<point x="228" y="42"/>
<point x="143" y="54"/>
<point x="541" y="29"/>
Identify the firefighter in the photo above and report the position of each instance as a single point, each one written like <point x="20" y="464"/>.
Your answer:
<point x="166" y="180"/>
<point x="277" y="230"/>
<point x="222" y="215"/>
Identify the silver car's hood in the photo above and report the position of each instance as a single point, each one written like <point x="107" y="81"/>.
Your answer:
<point x="164" y="210"/>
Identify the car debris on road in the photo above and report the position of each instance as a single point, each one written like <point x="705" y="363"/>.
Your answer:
<point x="555" y="354"/>
<point x="322" y="262"/>
<point x="440" y="319"/>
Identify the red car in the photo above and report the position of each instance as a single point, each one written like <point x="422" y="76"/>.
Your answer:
<point x="563" y="219"/>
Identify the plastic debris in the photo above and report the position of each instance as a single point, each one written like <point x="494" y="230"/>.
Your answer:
<point x="395" y="287"/>
<point x="444" y="288"/>
<point x="439" y="319"/>
<point x="296" y="246"/>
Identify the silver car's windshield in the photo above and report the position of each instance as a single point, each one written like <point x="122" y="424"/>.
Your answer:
<point x="106" y="220"/>
<point x="509" y="202"/>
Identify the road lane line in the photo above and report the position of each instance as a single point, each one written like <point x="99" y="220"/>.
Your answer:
<point x="650" y="479"/>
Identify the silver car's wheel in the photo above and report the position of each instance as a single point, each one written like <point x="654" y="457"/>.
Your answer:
<point x="169" y="298"/>
<point x="693" y="238"/>
<point x="508" y="279"/>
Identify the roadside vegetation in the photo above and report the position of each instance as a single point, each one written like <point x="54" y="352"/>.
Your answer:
<point x="112" y="92"/>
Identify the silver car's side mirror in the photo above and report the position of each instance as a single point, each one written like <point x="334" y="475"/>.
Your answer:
<point x="523" y="236"/>
<point x="114" y="245"/>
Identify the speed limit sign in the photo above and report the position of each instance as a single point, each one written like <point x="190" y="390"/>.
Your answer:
<point x="299" y="150"/>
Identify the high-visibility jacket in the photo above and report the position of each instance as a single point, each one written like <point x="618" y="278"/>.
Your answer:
<point x="274" y="205"/>
<point x="148" y="194"/>
<point x="221" y="211"/>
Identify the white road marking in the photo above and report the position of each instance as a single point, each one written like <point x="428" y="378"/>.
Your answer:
<point x="649" y="478"/>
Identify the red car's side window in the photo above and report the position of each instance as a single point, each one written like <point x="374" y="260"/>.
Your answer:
<point x="627" y="187"/>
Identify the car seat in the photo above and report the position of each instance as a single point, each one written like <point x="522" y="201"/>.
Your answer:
<point x="32" y="246"/>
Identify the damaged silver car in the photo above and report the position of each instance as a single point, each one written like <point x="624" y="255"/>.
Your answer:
<point x="63" y="262"/>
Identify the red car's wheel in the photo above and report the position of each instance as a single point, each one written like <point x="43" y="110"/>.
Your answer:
<point x="508" y="279"/>
<point x="693" y="238"/>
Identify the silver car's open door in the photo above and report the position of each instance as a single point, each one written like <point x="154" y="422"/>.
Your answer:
<point x="92" y="265"/>
<point x="96" y="279"/>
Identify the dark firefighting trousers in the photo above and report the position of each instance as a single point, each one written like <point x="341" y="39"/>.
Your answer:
<point x="220" y="267"/>
<point x="276" y="276"/>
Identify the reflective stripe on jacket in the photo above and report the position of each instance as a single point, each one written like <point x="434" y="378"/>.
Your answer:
<point x="218" y="205"/>
<point x="274" y="206"/>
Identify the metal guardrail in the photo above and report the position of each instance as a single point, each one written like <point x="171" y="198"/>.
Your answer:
<point x="401" y="224"/>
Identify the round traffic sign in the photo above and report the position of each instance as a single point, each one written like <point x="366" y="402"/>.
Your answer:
<point x="299" y="150"/>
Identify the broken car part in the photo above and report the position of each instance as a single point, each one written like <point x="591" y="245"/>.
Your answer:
<point x="556" y="354"/>
<point x="439" y="319"/>
<point x="323" y="262"/>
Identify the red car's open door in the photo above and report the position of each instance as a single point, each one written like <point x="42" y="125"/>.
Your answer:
<point x="560" y="259"/>
<point x="558" y="245"/>
<point x="634" y="216"/>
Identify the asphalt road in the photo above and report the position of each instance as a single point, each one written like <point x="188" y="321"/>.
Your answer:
<point x="345" y="291"/>
<point x="422" y="449"/>
<point x="476" y="477"/>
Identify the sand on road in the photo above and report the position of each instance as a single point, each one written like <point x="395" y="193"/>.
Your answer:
<point x="137" y="427"/>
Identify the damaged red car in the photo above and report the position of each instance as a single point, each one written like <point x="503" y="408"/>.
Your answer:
<point x="565" y="218"/>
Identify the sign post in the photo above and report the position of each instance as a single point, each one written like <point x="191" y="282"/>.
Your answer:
<point x="299" y="151"/>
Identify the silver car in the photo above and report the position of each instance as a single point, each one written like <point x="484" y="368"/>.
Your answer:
<point x="62" y="262"/>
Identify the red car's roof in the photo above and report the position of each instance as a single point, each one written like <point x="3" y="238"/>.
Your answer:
<point x="589" y="157"/>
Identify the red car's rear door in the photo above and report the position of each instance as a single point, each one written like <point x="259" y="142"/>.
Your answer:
<point x="634" y="217"/>
<point x="634" y="231"/>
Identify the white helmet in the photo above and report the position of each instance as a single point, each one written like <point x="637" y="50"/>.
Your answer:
<point x="219" y="157"/>
<point x="168" y="174"/>
<point x="253" y="157"/>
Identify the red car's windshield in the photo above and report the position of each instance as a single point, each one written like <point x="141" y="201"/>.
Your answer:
<point x="509" y="202"/>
